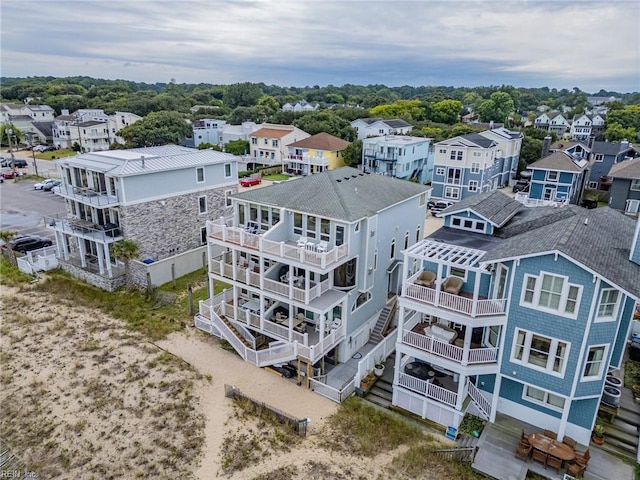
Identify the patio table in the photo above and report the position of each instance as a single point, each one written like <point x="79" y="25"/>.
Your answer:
<point x="252" y="305"/>
<point x="551" y="447"/>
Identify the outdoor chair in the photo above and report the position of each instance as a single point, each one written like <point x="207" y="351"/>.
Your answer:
<point x="453" y="285"/>
<point x="524" y="438"/>
<point x="569" y="441"/>
<point x="523" y="451"/>
<point x="576" y="469"/>
<point x="554" y="462"/>
<point x="540" y="456"/>
<point x="550" y="434"/>
<point x="302" y="242"/>
<point x="426" y="279"/>
<point x="583" y="459"/>
<point x="322" y="246"/>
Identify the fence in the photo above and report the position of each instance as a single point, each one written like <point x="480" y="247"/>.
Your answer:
<point x="297" y="425"/>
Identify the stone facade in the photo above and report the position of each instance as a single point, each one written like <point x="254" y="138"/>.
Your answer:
<point x="163" y="228"/>
<point x="105" y="283"/>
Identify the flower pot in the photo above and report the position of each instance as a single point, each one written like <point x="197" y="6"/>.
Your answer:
<point x="597" y="440"/>
<point x="378" y="371"/>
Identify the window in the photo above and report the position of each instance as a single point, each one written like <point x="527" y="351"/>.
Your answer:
<point x="454" y="176"/>
<point x="406" y="240"/>
<point x="200" y="174"/>
<point x="202" y="205"/>
<point x="311" y="226"/>
<point x="551" y="293"/>
<point x="475" y="167"/>
<point x="254" y="141"/>
<point x="635" y="184"/>
<point x="227" y="170"/>
<point x="203" y="235"/>
<point x="632" y="206"/>
<point x="456" y="155"/>
<point x="418" y="233"/>
<point x="543" y="397"/>
<point x="363" y="298"/>
<point x="325" y="229"/>
<point x="473" y="186"/>
<point x="440" y="171"/>
<point x="594" y="365"/>
<point x="539" y="352"/>
<point x="393" y="249"/>
<point x="458" y="272"/>
<point x="608" y="306"/>
<point x="593" y="185"/>
<point x="599" y="157"/>
<point x="452" y="192"/>
<point x="552" y="176"/>
<point x="297" y="223"/>
<point x="423" y="199"/>
<point x="227" y="197"/>
<point x="274" y="143"/>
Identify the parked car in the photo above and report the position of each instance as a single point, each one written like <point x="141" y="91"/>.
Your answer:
<point x="250" y="182"/>
<point x="9" y="174"/>
<point x="440" y="206"/>
<point x="521" y="186"/>
<point x="26" y="243"/>
<point x="18" y="162"/>
<point x="49" y="186"/>
<point x="44" y="183"/>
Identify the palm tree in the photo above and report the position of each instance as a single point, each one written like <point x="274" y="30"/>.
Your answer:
<point x="126" y="250"/>
<point x="6" y="236"/>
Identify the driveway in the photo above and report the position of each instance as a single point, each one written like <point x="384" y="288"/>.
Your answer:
<point x="22" y="208"/>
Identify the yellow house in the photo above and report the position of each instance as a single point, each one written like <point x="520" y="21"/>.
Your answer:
<point x="317" y="153"/>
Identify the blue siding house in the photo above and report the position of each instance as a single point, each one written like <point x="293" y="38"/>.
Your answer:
<point x="399" y="156"/>
<point x="478" y="162"/>
<point x="560" y="176"/>
<point x="516" y="310"/>
<point x="605" y="155"/>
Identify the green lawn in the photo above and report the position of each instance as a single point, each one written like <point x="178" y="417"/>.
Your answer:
<point x="277" y="177"/>
<point x="63" y="152"/>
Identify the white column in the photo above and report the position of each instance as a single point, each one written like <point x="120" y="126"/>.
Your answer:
<point x="83" y="252"/>
<point x="100" y="248"/>
<point x="564" y="419"/>
<point x="494" y="399"/>
<point x="462" y="383"/>
<point x="107" y="259"/>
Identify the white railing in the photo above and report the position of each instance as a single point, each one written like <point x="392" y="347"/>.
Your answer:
<point x="428" y="389"/>
<point x="319" y="386"/>
<point x="243" y="237"/>
<point x="483" y="355"/>
<point x="86" y="195"/>
<point x="483" y="404"/>
<point x="382" y="350"/>
<point x="446" y="350"/>
<point x="524" y="199"/>
<point x="457" y="303"/>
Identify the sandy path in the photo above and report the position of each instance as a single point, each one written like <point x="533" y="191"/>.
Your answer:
<point x="204" y="353"/>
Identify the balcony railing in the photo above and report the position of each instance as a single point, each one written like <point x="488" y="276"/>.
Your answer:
<point x="308" y="160"/>
<point x="473" y="307"/>
<point x="430" y="344"/>
<point x="86" y="195"/>
<point x="307" y="255"/>
<point x="428" y="389"/>
<point x="383" y="157"/>
<point x="84" y="229"/>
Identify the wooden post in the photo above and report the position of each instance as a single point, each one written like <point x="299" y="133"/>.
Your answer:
<point x="190" y="295"/>
<point x="173" y="275"/>
<point x="309" y="373"/>
<point x="149" y="288"/>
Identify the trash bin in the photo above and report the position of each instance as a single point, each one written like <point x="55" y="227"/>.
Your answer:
<point x="634" y="350"/>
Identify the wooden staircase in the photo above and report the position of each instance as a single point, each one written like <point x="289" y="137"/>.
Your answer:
<point x="621" y="435"/>
<point x="235" y="332"/>
<point x="385" y="317"/>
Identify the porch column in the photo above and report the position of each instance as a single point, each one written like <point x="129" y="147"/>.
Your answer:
<point x="100" y="249"/>
<point x="476" y="292"/>
<point x="83" y="253"/>
<point x="107" y="258"/>
<point x="405" y="275"/>
<point x="564" y="419"/>
<point x="468" y="333"/>
<point x="438" y="283"/>
<point x="462" y="389"/>
<point x="494" y="398"/>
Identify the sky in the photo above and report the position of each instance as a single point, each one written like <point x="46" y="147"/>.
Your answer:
<point x="587" y="44"/>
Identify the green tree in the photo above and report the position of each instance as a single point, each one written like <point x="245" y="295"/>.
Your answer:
<point x="326" y="121"/>
<point x="352" y="155"/>
<point x="530" y="151"/>
<point x="157" y="128"/>
<point x="616" y="132"/>
<point x="446" y="111"/>
<point x="242" y="95"/>
<point x="627" y="117"/>
<point x="6" y="236"/>
<point x="237" y="147"/>
<point x="125" y="251"/>
<point x="497" y="108"/>
<point x="405" y="109"/>
<point x="269" y="102"/>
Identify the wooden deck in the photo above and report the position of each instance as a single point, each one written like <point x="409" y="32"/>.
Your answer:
<point x="496" y="456"/>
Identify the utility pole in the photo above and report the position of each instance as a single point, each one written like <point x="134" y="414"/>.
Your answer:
<point x="9" y="132"/>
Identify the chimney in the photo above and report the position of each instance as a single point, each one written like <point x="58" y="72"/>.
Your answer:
<point x="592" y="141"/>
<point x="546" y="146"/>
<point x="624" y="144"/>
<point x="634" y="256"/>
<point x="491" y="125"/>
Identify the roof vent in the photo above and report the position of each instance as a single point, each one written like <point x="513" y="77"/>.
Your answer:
<point x="586" y="221"/>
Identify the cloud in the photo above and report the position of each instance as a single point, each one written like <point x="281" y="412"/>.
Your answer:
<point x="587" y="44"/>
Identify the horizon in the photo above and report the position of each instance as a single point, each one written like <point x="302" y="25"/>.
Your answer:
<point x="437" y="43"/>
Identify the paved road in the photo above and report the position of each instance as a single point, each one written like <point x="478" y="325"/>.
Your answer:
<point x="46" y="168"/>
<point x="22" y="208"/>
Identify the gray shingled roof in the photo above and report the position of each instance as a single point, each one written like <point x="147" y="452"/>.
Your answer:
<point x="557" y="161"/>
<point x="397" y="123"/>
<point x="606" y="148"/>
<point x="479" y="140"/>
<point x="626" y="169"/>
<point x="344" y="194"/>
<point x="495" y="206"/>
<point x="600" y="239"/>
<point x="46" y="128"/>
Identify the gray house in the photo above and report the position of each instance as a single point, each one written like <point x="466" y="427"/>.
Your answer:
<point x="312" y="263"/>
<point x="159" y="197"/>
<point x="624" y="193"/>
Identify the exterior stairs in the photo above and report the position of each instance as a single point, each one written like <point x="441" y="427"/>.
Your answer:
<point x="381" y="393"/>
<point x="464" y="451"/>
<point x="621" y="435"/>
<point x="235" y="332"/>
<point x="386" y="314"/>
